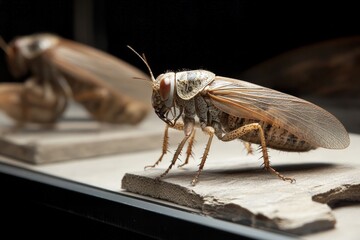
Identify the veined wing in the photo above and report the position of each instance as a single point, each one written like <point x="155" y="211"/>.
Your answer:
<point x="87" y="63"/>
<point x="301" y="118"/>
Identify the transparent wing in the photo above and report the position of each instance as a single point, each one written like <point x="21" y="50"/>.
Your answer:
<point x="87" y="63"/>
<point x="301" y="118"/>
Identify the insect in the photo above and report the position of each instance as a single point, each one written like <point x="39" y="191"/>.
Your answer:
<point x="24" y="103"/>
<point x="93" y="78"/>
<point x="234" y="109"/>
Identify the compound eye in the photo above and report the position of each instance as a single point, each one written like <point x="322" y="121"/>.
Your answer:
<point x="165" y="87"/>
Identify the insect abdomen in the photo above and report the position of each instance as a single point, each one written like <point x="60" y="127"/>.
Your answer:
<point x="276" y="137"/>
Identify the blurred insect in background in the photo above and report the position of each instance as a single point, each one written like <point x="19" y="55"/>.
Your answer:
<point x="95" y="79"/>
<point x="28" y="106"/>
<point x="233" y="109"/>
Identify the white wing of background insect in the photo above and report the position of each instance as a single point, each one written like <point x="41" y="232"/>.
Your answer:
<point x="88" y="63"/>
<point x="301" y="118"/>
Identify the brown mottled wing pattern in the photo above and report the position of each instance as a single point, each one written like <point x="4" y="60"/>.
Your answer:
<point x="299" y="117"/>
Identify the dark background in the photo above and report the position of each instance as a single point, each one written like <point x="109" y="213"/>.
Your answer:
<point x="226" y="37"/>
<point x="229" y="38"/>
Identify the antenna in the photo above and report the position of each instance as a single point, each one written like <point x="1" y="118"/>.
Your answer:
<point x="143" y="79"/>
<point x="143" y="58"/>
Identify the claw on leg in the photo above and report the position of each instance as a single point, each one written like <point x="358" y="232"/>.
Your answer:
<point x="282" y="177"/>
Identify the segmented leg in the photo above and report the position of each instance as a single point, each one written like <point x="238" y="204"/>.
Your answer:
<point x="176" y="155"/>
<point x="235" y="134"/>
<point x="99" y="95"/>
<point x="210" y="131"/>
<point x="248" y="147"/>
<point x="165" y="146"/>
<point x="189" y="149"/>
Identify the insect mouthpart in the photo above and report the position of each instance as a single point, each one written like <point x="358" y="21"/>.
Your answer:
<point x="168" y="115"/>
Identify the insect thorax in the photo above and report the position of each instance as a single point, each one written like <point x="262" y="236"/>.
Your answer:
<point x="190" y="83"/>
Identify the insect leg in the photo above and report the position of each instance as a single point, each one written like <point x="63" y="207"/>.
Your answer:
<point x="50" y="102"/>
<point x="98" y="95"/>
<point x="235" y="134"/>
<point x="209" y="130"/>
<point x="188" y="127"/>
<point x="165" y="146"/>
<point x="176" y="155"/>
<point x="189" y="149"/>
<point x="24" y="103"/>
<point x="248" y="147"/>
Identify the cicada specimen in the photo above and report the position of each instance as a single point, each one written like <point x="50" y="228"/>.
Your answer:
<point x="234" y="109"/>
<point x="93" y="78"/>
